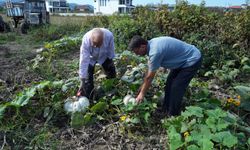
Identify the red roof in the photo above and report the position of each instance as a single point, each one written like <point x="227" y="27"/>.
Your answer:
<point x="235" y="7"/>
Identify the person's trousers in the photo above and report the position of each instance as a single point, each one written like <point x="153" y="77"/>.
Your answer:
<point x="176" y="85"/>
<point x="110" y="71"/>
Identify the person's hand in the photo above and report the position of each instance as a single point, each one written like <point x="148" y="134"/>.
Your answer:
<point x="138" y="92"/>
<point x="80" y="91"/>
<point x="139" y="98"/>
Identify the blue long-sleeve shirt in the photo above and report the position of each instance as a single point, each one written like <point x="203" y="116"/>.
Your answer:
<point x="91" y="55"/>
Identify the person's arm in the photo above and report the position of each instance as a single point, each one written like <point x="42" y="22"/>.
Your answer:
<point x="153" y="64"/>
<point x="84" y="62"/>
<point x="111" y="53"/>
<point x="145" y="86"/>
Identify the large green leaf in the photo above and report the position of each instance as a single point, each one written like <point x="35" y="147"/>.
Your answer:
<point x="193" y="111"/>
<point x="99" y="107"/>
<point x="217" y="113"/>
<point x="24" y="97"/>
<point x="225" y="138"/>
<point x="174" y="138"/>
<point x="211" y="122"/>
<point x="117" y="102"/>
<point x="248" y="141"/>
<point x="244" y="92"/>
<point x="244" y="60"/>
<point x="88" y="119"/>
<point x="206" y="144"/>
<point x="193" y="147"/>
<point x="246" y="68"/>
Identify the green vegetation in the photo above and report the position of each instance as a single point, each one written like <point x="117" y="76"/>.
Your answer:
<point x="216" y="115"/>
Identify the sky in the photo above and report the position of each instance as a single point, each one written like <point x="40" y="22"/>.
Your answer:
<point x="144" y="2"/>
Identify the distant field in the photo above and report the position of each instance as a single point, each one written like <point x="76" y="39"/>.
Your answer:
<point x="63" y="20"/>
<point x="60" y="20"/>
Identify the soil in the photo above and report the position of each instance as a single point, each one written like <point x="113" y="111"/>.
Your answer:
<point x="13" y="69"/>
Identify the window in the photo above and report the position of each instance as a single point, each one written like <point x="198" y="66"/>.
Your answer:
<point x="63" y="4"/>
<point x="127" y="2"/>
<point x="122" y="10"/>
<point x="56" y="4"/>
<point x="122" y="2"/>
<point x="103" y="2"/>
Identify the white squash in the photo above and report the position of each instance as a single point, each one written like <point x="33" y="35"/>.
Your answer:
<point x="75" y="104"/>
<point x="129" y="99"/>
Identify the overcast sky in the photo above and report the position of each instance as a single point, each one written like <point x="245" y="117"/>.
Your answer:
<point x="143" y="2"/>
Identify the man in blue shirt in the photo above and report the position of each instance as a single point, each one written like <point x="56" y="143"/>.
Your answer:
<point x="181" y="58"/>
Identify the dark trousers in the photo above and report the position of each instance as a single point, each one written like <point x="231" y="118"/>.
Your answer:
<point x="176" y="85"/>
<point x="109" y="69"/>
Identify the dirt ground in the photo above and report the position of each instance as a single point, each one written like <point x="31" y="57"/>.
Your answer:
<point x="13" y="69"/>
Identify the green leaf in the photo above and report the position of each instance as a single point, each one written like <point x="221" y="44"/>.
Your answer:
<point x="146" y="116"/>
<point x="108" y="84"/>
<point x="88" y="119"/>
<point x="205" y="132"/>
<point x="42" y="85"/>
<point x="244" y="92"/>
<point x="248" y="141"/>
<point x="217" y="113"/>
<point x="193" y="147"/>
<point x="211" y="122"/>
<point x="174" y="138"/>
<point x="206" y="144"/>
<point x="135" y="120"/>
<point x="117" y="102"/>
<point x="234" y="73"/>
<point x="195" y="135"/>
<point x="67" y="86"/>
<point x="57" y="84"/>
<point x="222" y="124"/>
<point x="99" y="107"/>
<point x="2" y="110"/>
<point x="193" y="111"/>
<point x="209" y="73"/>
<point x="77" y="120"/>
<point x="225" y="138"/>
<point x="184" y="127"/>
<point x="246" y="68"/>
<point x="244" y="60"/>
<point x="23" y="98"/>
<point x="229" y="140"/>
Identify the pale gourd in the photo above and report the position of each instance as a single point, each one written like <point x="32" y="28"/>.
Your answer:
<point x="129" y="99"/>
<point x="76" y="104"/>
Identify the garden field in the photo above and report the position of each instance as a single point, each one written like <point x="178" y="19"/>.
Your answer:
<point x="39" y="71"/>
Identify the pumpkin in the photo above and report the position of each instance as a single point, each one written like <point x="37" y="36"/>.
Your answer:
<point x="129" y="99"/>
<point x="76" y="104"/>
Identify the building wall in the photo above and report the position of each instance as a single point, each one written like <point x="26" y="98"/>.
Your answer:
<point x="50" y="8"/>
<point x="111" y="6"/>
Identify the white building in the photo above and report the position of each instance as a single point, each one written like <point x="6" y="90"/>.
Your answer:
<point x="57" y="6"/>
<point x="109" y="7"/>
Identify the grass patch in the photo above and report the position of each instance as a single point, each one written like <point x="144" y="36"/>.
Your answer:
<point x="8" y="37"/>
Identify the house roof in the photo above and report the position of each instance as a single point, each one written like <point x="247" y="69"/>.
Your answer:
<point x="235" y="7"/>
